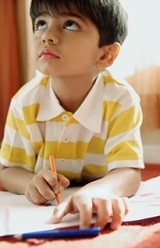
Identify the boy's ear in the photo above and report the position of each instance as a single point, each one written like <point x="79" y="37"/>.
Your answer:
<point x="110" y="52"/>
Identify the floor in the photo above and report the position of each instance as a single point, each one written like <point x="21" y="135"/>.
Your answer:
<point x="151" y="145"/>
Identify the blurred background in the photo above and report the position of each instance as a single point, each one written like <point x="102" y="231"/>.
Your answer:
<point x="139" y="60"/>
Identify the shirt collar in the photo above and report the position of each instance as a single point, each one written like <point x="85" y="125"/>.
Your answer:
<point x="49" y="104"/>
<point x="89" y="113"/>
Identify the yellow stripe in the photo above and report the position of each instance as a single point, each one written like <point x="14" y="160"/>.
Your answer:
<point x="127" y="150"/>
<point x="47" y="149"/>
<point x="44" y="81"/>
<point x="30" y="113"/>
<point x="109" y="109"/>
<point x="70" y="175"/>
<point x="91" y="169"/>
<point x="17" y="124"/>
<point x="11" y="121"/>
<point x="123" y="122"/>
<point x="96" y="146"/>
<point x="18" y="156"/>
<point x="72" y="121"/>
<point x="109" y="79"/>
<point x="69" y="150"/>
<point x="22" y="129"/>
<point x="39" y="147"/>
<point x="72" y="150"/>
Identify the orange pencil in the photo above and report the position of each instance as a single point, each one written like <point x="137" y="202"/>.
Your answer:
<point x="53" y="168"/>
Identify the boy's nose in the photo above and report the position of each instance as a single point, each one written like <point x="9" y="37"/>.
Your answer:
<point x="50" y="41"/>
<point x="49" y="37"/>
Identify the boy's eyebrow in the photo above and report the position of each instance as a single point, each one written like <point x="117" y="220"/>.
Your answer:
<point x="65" y="14"/>
<point x="73" y="14"/>
<point x="42" y="13"/>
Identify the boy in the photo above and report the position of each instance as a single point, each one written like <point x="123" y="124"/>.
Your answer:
<point x="78" y="112"/>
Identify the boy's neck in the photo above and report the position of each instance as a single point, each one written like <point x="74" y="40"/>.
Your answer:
<point x="71" y="92"/>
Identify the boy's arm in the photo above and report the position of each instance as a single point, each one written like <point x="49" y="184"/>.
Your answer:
<point x="15" y="179"/>
<point x="123" y="182"/>
<point x="37" y="187"/>
<point x="103" y="197"/>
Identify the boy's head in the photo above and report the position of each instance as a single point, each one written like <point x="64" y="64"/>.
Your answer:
<point x="107" y="15"/>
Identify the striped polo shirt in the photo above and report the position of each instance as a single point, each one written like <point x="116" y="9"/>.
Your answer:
<point x="103" y="134"/>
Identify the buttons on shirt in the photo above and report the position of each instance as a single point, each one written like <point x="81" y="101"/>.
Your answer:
<point x="66" y="140"/>
<point x="65" y="117"/>
<point x="62" y="161"/>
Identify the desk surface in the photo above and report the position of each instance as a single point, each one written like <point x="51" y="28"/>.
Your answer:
<point x="140" y="234"/>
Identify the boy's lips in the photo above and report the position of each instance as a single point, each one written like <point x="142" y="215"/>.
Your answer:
<point x="47" y="53"/>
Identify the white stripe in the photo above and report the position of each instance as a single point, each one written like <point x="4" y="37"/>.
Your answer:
<point x="10" y="164"/>
<point x="118" y="93"/>
<point x="30" y="86"/>
<point x="16" y="109"/>
<point x="68" y="165"/>
<point x="126" y="164"/>
<point x="29" y="99"/>
<point x="13" y="137"/>
<point x="124" y="108"/>
<point x="95" y="159"/>
<point x="34" y="132"/>
<point x="56" y="131"/>
<point x="131" y="135"/>
<point x="71" y="165"/>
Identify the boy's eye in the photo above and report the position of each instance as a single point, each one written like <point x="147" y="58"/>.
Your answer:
<point x="71" y="25"/>
<point x="40" y="25"/>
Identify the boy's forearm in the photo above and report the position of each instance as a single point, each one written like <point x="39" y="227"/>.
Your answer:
<point x="123" y="182"/>
<point x="14" y="179"/>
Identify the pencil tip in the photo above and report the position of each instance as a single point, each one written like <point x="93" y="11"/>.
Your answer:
<point x="58" y="198"/>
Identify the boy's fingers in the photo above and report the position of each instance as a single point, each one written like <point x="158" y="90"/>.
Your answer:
<point x="60" y="211"/>
<point x="85" y="210"/>
<point x="104" y="211"/>
<point x="34" y="196"/>
<point x="63" y="181"/>
<point x="119" y="212"/>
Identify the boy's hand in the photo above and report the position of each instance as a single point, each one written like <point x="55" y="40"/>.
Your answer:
<point x="43" y="186"/>
<point x="86" y="202"/>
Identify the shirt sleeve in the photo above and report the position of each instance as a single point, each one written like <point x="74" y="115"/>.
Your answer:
<point x="16" y="147"/>
<point x="124" y="147"/>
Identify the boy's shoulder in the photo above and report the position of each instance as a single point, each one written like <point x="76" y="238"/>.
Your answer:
<point x="33" y="84"/>
<point x="112" y="77"/>
<point x="30" y="93"/>
<point x="116" y="81"/>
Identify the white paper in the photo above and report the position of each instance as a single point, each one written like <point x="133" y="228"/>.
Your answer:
<point x="18" y="215"/>
<point x="146" y="202"/>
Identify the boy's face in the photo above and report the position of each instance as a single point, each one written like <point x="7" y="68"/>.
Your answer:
<point x="65" y="44"/>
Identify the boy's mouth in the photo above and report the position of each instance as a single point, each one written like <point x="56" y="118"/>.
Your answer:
<point x="47" y="53"/>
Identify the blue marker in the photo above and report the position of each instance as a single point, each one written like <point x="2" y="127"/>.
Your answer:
<point x="55" y="234"/>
